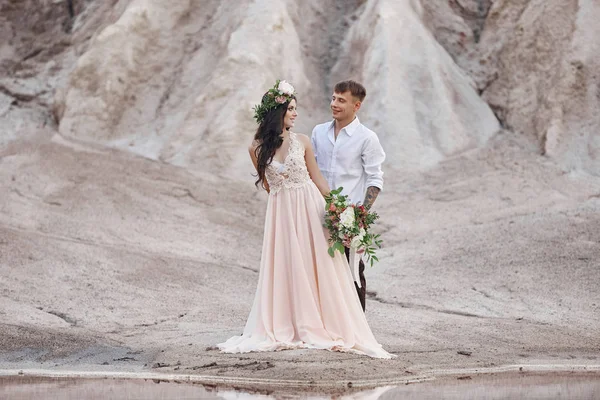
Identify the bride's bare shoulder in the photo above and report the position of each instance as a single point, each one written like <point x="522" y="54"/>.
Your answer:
<point x="253" y="145"/>
<point x="303" y="138"/>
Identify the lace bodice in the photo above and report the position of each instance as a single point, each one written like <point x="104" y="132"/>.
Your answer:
<point x="290" y="174"/>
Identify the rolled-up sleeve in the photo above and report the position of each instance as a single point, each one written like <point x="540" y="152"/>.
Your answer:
<point x="373" y="157"/>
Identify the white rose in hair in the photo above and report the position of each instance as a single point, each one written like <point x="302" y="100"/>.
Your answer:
<point x="285" y="88"/>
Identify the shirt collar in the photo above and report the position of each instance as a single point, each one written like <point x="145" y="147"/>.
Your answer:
<point x="350" y="128"/>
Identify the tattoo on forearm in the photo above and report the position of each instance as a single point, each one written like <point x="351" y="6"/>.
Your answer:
<point x="371" y="195"/>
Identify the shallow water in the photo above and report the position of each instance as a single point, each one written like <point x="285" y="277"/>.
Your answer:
<point x="498" y="386"/>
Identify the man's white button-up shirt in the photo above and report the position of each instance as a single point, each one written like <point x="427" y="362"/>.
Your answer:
<point x="353" y="160"/>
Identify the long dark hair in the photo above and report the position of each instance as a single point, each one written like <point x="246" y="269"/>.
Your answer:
<point x="268" y="137"/>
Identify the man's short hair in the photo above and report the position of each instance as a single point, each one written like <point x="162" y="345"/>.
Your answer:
<point x="356" y="89"/>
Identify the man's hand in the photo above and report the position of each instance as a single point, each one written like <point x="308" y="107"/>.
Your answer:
<point x="372" y="192"/>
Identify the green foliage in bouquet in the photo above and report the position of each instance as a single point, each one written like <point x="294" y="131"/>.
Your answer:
<point x="348" y="226"/>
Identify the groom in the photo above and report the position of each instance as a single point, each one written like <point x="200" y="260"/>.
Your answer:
<point x="350" y="155"/>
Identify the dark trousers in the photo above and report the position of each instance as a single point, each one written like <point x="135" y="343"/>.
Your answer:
<point x="361" y="291"/>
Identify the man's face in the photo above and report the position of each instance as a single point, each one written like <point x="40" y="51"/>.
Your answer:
<point x="344" y="106"/>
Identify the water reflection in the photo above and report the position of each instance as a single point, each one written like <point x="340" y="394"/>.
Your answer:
<point x="499" y="386"/>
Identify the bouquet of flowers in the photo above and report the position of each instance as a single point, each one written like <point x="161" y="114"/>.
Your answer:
<point x="348" y="225"/>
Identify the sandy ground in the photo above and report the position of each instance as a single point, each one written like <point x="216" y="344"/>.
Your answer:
<point x="112" y="262"/>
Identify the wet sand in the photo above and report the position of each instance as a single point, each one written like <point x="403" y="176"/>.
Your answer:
<point x="490" y="386"/>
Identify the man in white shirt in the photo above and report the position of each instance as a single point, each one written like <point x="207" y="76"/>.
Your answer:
<point x="350" y="155"/>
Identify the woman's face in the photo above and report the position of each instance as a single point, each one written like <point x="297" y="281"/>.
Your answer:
<point x="290" y="115"/>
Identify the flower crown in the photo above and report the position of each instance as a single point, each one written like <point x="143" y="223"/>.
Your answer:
<point x="279" y="94"/>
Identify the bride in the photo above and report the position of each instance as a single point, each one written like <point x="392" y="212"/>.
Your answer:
<point x="305" y="298"/>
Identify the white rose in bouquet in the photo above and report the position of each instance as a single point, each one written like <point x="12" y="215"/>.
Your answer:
<point x="358" y="238"/>
<point x="347" y="217"/>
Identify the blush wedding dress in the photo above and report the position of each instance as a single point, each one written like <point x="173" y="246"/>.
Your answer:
<point x="305" y="298"/>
